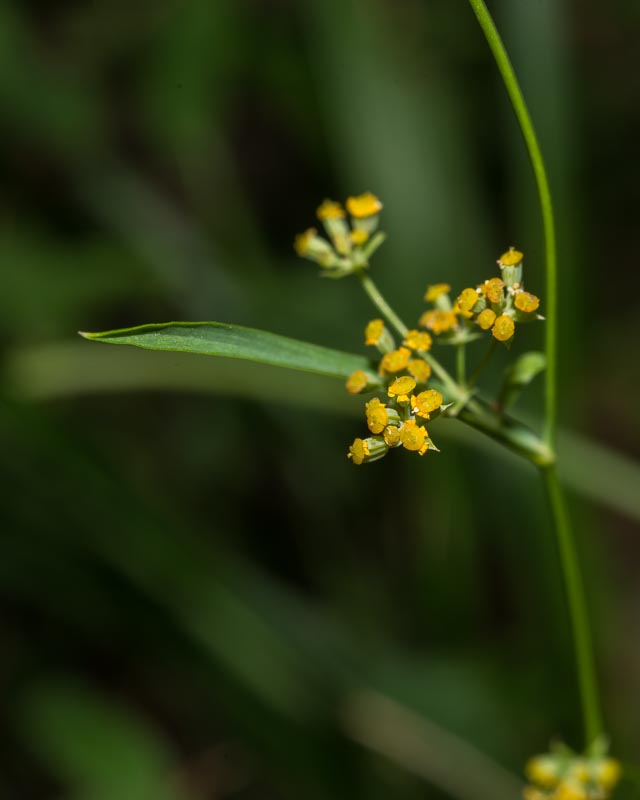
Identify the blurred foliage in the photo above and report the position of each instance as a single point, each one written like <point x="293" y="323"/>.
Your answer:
<point x="200" y="597"/>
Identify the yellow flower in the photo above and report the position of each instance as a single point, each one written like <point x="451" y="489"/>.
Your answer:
<point x="414" y="437"/>
<point x="396" y="360"/>
<point x="330" y="210"/>
<point x="530" y="793"/>
<point x="438" y="321"/>
<point x="391" y="435"/>
<point x="373" y="331"/>
<point x="401" y="388"/>
<point x="359" y="237"/>
<point x="486" y="319"/>
<point x="302" y="243"/>
<point x="503" y="328"/>
<point x="424" y="403"/>
<point x="420" y="370"/>
<point x="492" y="290"/>
<point x="543" y="770"/>
<point x="511" y="258"/>
<point x="527" y="302"/>
<point x="607" y="773"/>
<point x="364" y="205"/>
<point x="357" y="382"/>
<point x="418" y="340"/>
<point x="467" y="300"/>
<point x="434" y="292"/>
<point x="568" y="790"/>
<point x="377" y="417"/>
<point x="358" y="451"/>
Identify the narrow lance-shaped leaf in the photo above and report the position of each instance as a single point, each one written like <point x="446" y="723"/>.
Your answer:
<point x="235" y="341"/>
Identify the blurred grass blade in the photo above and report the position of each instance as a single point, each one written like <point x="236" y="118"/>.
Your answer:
<point x="235" y="341"/>
<point x="425" y="749"/>
<point x="518" y="376"/>
<point x="97" y="749"/>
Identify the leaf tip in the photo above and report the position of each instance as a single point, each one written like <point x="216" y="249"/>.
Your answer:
<point x="87" y="335"/>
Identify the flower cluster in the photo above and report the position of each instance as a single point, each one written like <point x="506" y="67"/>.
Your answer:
<point x="402" y="373"/>
<point x="496" y="305"/>
<point x="564" y="775"/>
<point x="350" y="244"/>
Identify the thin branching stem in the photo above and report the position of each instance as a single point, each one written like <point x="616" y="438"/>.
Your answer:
<point x="576" y="600"/>
<point x="537" y="162"/>
<point x="585" y="662"/>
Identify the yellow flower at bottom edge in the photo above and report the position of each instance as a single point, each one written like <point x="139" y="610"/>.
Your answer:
<point x="607" y="773"/>
<point x="543" y="770"/>
<point x="570" y="790"/>
<point x="531" y="793"/>
<point x="401" y="388"/>
<point x="414" y="437"/>
<point x="377" y="416"/>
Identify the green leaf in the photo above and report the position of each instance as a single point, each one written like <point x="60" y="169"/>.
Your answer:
<point x="519" y="375"/>
<point x="235" y="341"/>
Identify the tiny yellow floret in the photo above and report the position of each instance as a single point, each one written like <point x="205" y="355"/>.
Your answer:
<point x="420" y="370"/>
<point x="607" y="773"/>
<point x="330" y="210"/>
<point x="511" y="258"/>
<point x="357" y="382"/>
<point x="391" y="435"/>
<point x="401" y="388"/>
<point x="364" y="205"/>
<point x="303" y="241"/>
<point x="438" y="321"/>
<point x="396" y="360"/>
<point x="503" y="328"/>
<point x="373" y="331"/>
<point x="359" y="237"/>
<point x="492" y="290"/>
<point x="414" y="437"/>
<point x="543" y="770"/>
<point x="527" y="302"/>
<point x="424" y="403"/>
<point x="358" y="451"/>
<point x="486" y="319"/>
<point x="467" y="300"/>
<point x="434" y="292"/>
<point x="570" y="790"/>
<point x="377" y="417"/>
<point x="418" y="340"/>
<point x="531" y="793"/>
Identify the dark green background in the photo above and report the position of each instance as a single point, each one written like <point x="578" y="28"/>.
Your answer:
<point x="196" y="586"/>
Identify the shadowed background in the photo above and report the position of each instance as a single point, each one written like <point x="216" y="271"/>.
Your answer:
<point x="200" y="596"/>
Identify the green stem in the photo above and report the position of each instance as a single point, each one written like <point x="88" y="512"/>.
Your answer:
<point x="482" y="365"/>
<point x="578" y="613"/>
<point x="544" y="193"/>
<point x="461" y="367"/>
